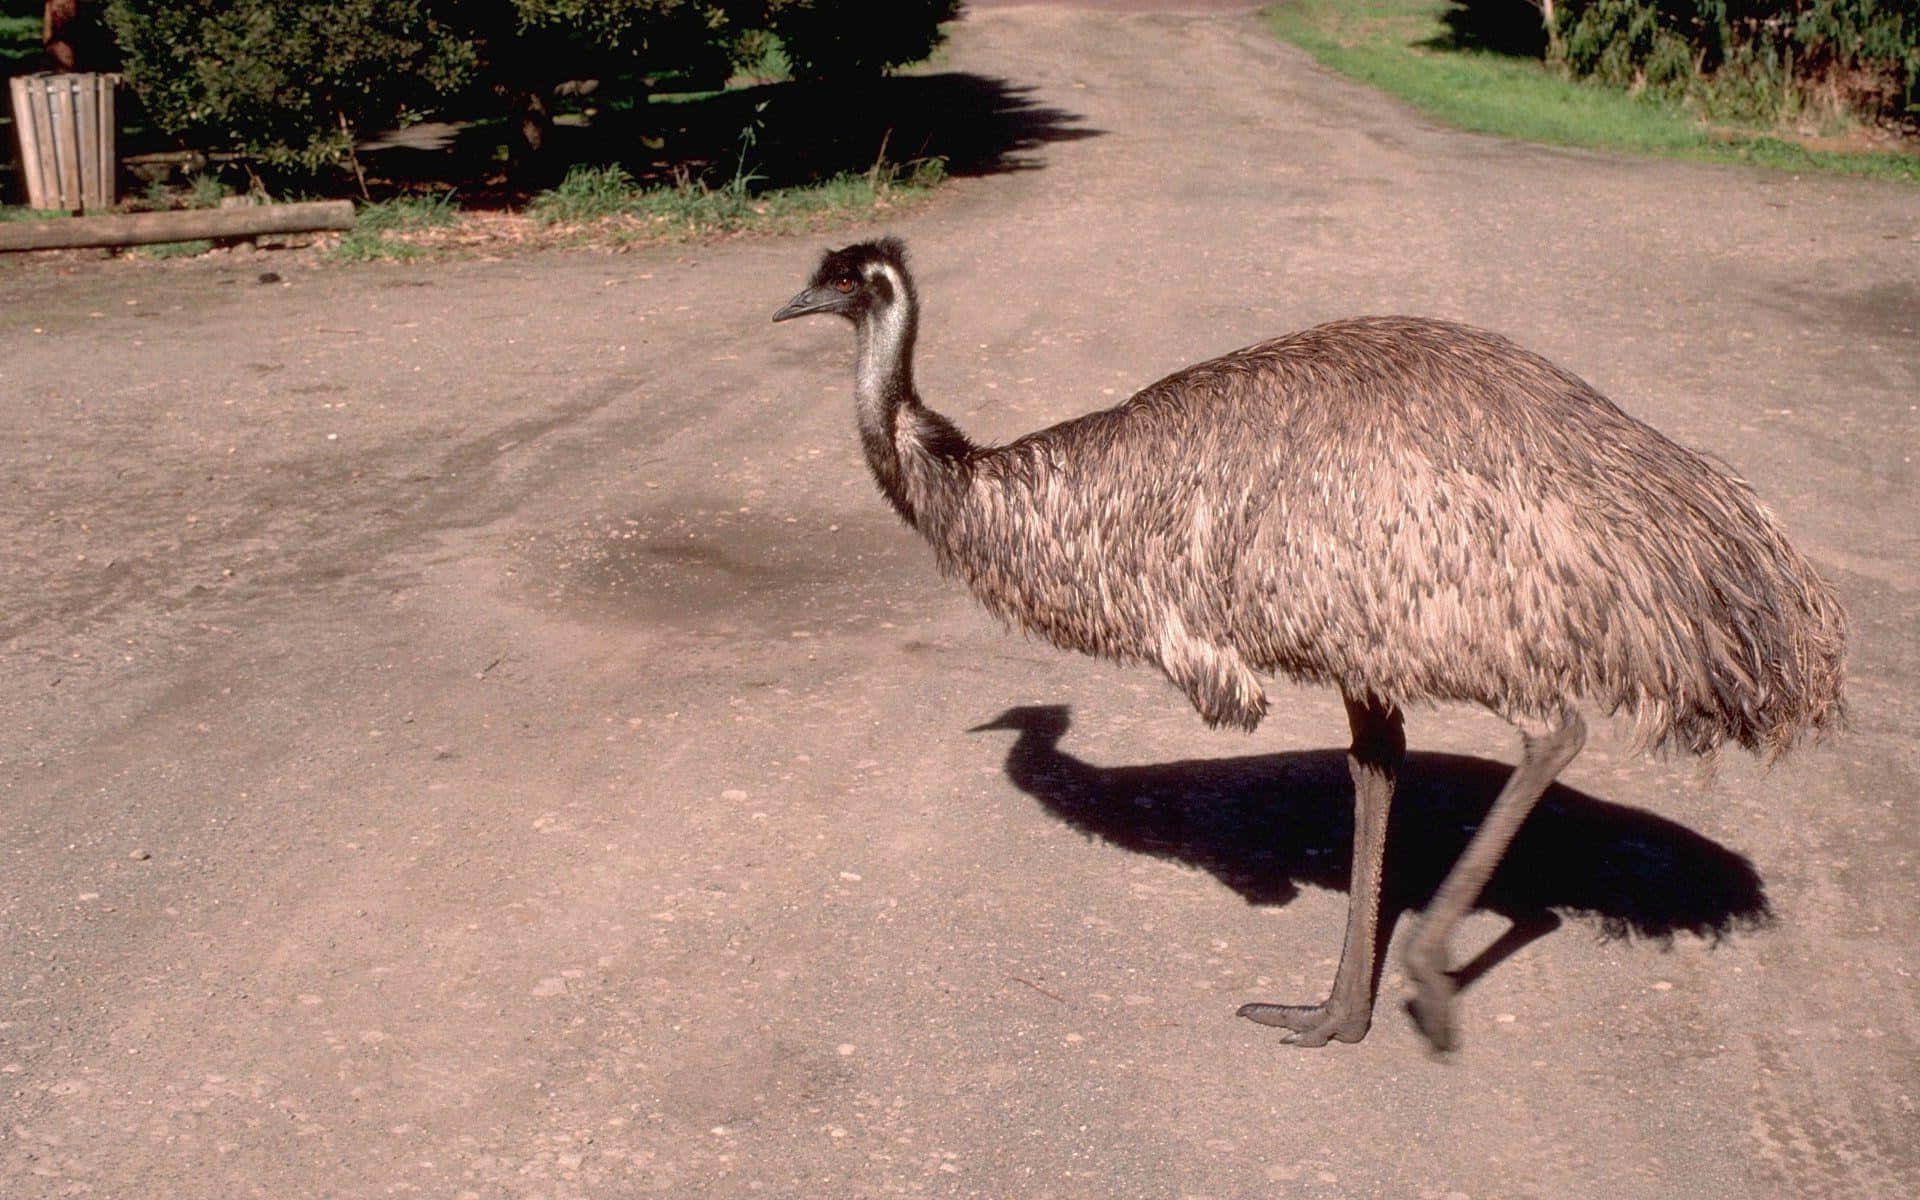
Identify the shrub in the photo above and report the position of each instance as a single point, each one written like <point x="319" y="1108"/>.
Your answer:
<point x="292" y="84"/>
<point x="288" y="82"/>
<point x="1765" y="59"/>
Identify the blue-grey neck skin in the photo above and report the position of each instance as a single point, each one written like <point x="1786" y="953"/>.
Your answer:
<point x="917" y="456"/>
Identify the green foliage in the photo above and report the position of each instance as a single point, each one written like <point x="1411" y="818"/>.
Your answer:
<point x="19" y="43"/>
<point x="205" y="191"/>
<point x="1766" y="60"/>
<point x="656" y="23"/>
<point x="538" y="42"/>
<point x="293" y="84"/>
<point x="591" y="196"/>
<point x="406" y="213"/>
<point x="375" y="226"/>
<point x="1414" y="50"/>
<point x="288" y="82"/>
<point x="586" y="194"/>
<point x="760" y="58"/>
<point x="20" y="212"/>
<point x="166" y="250"/>
<point x="200" y="189"/>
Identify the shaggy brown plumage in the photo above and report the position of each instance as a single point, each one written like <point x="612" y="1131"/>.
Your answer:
<point x="1409" y="510"/>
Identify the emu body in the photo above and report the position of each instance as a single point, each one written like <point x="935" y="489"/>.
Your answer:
<point x="1405" y="509"/>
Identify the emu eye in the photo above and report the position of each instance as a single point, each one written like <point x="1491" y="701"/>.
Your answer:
<point x="843" y="285"/>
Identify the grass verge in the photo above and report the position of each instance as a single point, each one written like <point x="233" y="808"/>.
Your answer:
<point x="165" y="250"/>
<point x="1403" y="48"/>
<point x="603" y="206"/>
<point x="23" y="213"/>
<point x="591" y="196"/>
<point x="391" y="228"/>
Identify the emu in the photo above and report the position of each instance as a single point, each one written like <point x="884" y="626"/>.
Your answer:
<point x="1409" y="510"/>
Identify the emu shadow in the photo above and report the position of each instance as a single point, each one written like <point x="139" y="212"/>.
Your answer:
<point x="1265" y="824"/>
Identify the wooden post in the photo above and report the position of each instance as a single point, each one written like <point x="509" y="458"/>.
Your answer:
<point x="139" y="229"/>
<point x="86" y="144"/>
<point x="109" y="134"/>
<point x="29" y="139"/>
<point x="45" y="140"/>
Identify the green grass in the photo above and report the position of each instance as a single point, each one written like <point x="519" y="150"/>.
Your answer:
<point x="379" y="229"/>
<point x="586" y="194"/>
<point x="205" y="191"/>
<point x="20" y="212"/>
<point x="603" y="206"/>
<point x="605" y="201"/>
<point x="593" y="205"/>
<point x="165" y="250"/>
<point x="1394" y="45"/>
<point x="200" y="191"/>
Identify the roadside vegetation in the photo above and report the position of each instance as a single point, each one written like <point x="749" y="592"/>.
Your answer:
<point x="523" y="122"/>
<point x="605" y="206"/>
<point x="608" y="194"/>
<point x="1609" y="75"/>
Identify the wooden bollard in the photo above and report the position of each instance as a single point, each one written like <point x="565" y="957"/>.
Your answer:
<point x="141" y="229"/>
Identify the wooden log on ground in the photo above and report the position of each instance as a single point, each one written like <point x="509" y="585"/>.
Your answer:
<point x="141" y="229"/>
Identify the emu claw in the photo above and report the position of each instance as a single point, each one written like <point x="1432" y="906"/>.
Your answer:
<point x="1311" y="1024"/>
<point x="1432" y="1009"/>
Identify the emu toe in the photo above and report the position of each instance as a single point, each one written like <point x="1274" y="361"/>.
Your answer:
<point x="1432" y="1010"/>
<point x="1312" y="1024"/>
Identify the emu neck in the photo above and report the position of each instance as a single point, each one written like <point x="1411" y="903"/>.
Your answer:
<point x="914" y="452"/>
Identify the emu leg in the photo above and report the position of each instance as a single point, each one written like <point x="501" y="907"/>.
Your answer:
<point x="1379" y="745"/>
<point x="1543" y="757"/>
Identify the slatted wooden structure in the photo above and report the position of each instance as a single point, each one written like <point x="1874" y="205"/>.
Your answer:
<point x="66" y="128"/>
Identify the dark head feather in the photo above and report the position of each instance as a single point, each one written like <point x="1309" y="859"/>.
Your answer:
<point x="853" y="260"/>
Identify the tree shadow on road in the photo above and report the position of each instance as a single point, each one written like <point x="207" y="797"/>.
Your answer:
<point x="1265" y="824"/>
<point x="1509" y="27"/>
<point x="778" y="135"/>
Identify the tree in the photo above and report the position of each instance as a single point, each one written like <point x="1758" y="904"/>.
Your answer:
<point x="56" y="17"/>
<point x="528" y="48"/>
<point x="294" y="83"/>
<point x="73" y="38"/>
<point x="1748" y="59"/>
<point x="1550" y="22"/>
<point x="288" y="82"/>
<point x="1745" y="59"/>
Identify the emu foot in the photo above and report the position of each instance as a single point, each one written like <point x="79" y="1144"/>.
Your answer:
<point x="1312" y="1024"/>
<point x="1432" y="1007"/>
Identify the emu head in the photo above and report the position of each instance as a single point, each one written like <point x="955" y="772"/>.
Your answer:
<point x="864" y="278"/>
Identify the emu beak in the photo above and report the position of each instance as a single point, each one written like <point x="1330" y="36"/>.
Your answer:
<point x="812" y="300"/>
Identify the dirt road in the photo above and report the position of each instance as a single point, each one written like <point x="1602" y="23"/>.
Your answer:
<point x="474" y="730"/>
